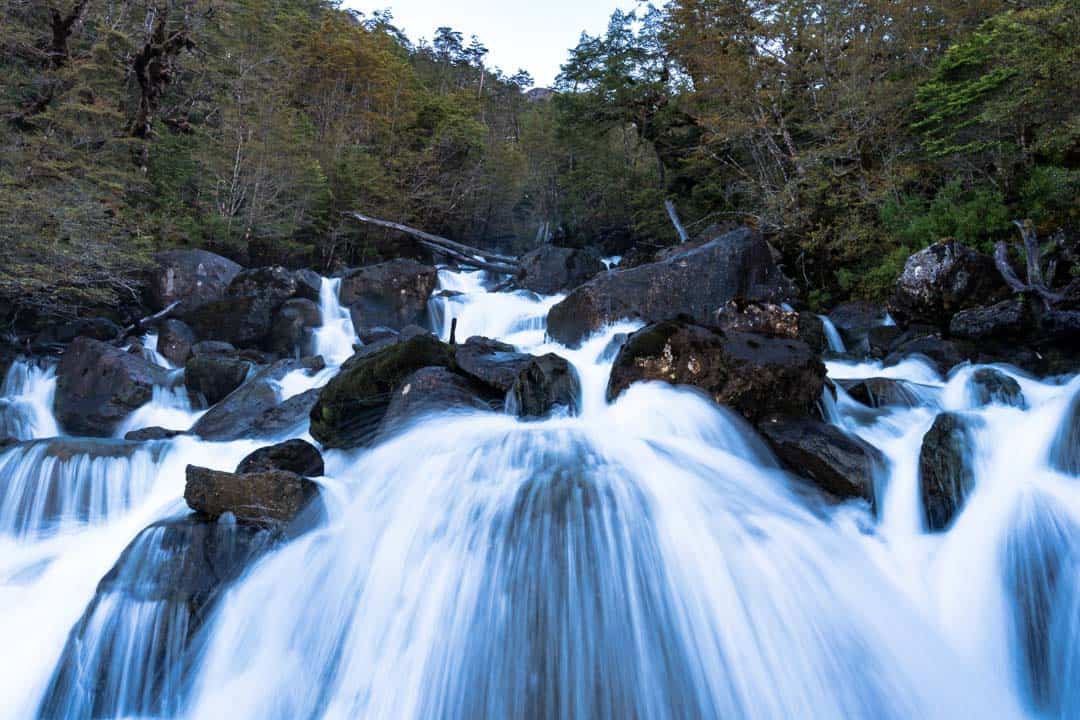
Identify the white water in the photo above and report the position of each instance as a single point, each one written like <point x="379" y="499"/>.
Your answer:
<point x="335" y="339"/>
<point x="647" y="559"/>
<point x="832" y="335"/>
<point x="26" y="401"/>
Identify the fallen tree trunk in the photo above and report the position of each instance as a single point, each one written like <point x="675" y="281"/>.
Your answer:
<point x="469" y="259"/>
<point x="459" y="251"/>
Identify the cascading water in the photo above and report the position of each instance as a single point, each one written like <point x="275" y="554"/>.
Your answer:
<point x="335" y="339"/>
<point x="26" y="400"/>
<point x="832" y="335"/>
<point x="646" y="559"/>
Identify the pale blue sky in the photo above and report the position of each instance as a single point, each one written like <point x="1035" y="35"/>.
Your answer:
<point x="519" y="33"/>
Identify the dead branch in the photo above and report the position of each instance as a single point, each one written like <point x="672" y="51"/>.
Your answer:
<point x="1037" y="284"/>
<point x="63" y="26"/>
<point x="674" y="215"/>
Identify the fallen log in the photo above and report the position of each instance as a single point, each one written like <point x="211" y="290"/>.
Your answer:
<point x="469" y="259"/>
<point x="450" y="248"/>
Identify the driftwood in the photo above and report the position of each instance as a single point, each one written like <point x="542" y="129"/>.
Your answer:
<point x="140" y="324"/>
<point x="674" y="215"/>
<point x="1038" y="282"/>
<point x="460" y="252"/>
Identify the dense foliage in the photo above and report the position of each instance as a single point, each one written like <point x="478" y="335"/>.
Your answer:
<point x="851" y="132"/>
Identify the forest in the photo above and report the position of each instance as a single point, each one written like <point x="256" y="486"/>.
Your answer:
<point x="852" y="133"/>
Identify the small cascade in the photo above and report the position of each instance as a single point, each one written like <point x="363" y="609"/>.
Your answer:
<point x="169" y="408"/>
<point x="832" y="335"/>
<point x="611" y="261"/>
<point x="26" y="401"/>
<point x="519" y="317"/>
<point x="335" y="339"/>
<point x="149" y="352"/>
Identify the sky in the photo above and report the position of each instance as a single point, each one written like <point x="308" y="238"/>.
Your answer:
<point x="532" y="34"/>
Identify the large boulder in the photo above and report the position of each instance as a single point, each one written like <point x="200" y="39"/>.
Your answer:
<point x="841" y="464"/>
<point x="854" y="321"/>
<point x="175" y="340"/>
<point x="946" y="476"/>
<point x="550" y="269"/>
<point x="694" y="282"/>
<point x="271" y="498"/>
<point x="296" y="456"/>
<point x="429" y="390"/>
<point x="943" y="354"/>
<point x="192" y="277"/>
<point x="1007" y="320"/>
<point x="210" y="378"/>
<point x="254" y="409"/>
<point x="546" y="384"/>
<point x="98" y="385"/>
<point x="352" y="405"/>
<point x="758" y="376"/>
<point x="943" y="279"/>
<point x="392" y="294"/>
<point x="491" y="362"/>
<point x="754" y="317"/>
<point x="882" y="392"/>
<point x="59" y="335"/>
<point x="1065" y="449"/>
<point x="293" y="326"/>
<point x="990" y="386"/>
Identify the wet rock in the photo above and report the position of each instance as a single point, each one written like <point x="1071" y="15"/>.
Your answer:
<point x="297" y="456"/>
<point x="62" y="334"/>
<point x="758" y="376"/>
<point x="239" y="321"/>
<point x="762" y="318"/>
<point x="271" y="498"/>
<point x="293" y="326"/>
<point x="943" y="354"/>
<point x="842" y="465"/>
<point x="882" y="339"/>
<point x="170" y="579"/>
<point x="1006" y="320"/>
<point x="550" y="269"/>
<point x="429" y="390"/>
<point x="175" y="339"/>
<point x="491" y="362"/>
<point x="946" y="477"/>
<point x="213" y="347"/>
<point x="252" y="410"/>
<point x="212" y="377"/>
<point x="990" y="386"/>
<point x="353" y="403"/>
<point x="611" y="350"/>
<point x="854" y="321"/>
<point x="152" y="433"/>
<point x="98" y="385"/>
<point x="287" y="418"/>
<point x="193" y="277"/>
<point x="882" y="392"/>
<point x="308" y="285"/>
<point x="547" y="383"/>
<point x="392" y="294"/>
<point x="694" y="282"/>
<point x="812" y="332"/>
<point x="375" y="334"/>
<point x="1065" y="449"/>
<point x="944" y="279"/>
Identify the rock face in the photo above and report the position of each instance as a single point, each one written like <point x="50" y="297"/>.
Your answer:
<point x="756" y="375"/>
<point x="695" y="282"/>
<point x="1008" y="319"/>
<point x="352" y="405"/>
<point x="392" y="294"/>
<point x="271" y="498"/>
<point x="212" y="377"/>
<point x="253" y="409"/>
<point x="990" y="386"/>
<point x="430" y="389"/>
<point x="1065" y="450"/>
<point x="882" y="392"/>
<point x="175" y="339"/>
<point x="98" y="385"/>
<point x="546" y="383"/>
<point x="296" y="456"/>
<point x="491" y="362"/>
<point x="946" y="477"/>
<point x="194" y="277"/>
<point x="942" y="280"/>
<point x="549" y="269"/>
<point x="840" y="464"/>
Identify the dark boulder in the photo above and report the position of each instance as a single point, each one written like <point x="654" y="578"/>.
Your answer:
<point x="491" y="362"/>
<point x="271" y="498"/>
<point x="841" y="464"/>
<point x="271" y="285"/>
<point x="193" y="277"/>
<point x="943" y="354"/>
<point x="549" y="269"/>
<point x="756" y="375"/>
<point x="210" y="378"/>
<point x="252" y="410"/>
<point x="946" y="477"/>
<point x="990" y="386"/>
<point x="430" y="390"/>
<point x="547" y="383"/>
<point x="882" y="339"/>
<point x="392" y="294"/>
<point x="175" y="339"/>
<point x="1065" y="449"/>
<point x="943" y="279"/>
<point x="297" y="456"/>
<point x="152" y="433"/>
<point x="213" y="347"/>
<point x="286" y="418"/>
<point x="611" y="350"/>
<point x="62" y="334"/>
<point x="695" y="282"/>
<point x="308" y="285"/>
<point x="854" y="320"/>
<point x="353" y="403"/>
<point x="883" y="392"/>
<point x="293" y="325"/>
<point x="1007" y="320"/>
<point x="98" y="385"/>
<point x="754" y="317"/>
<point x="812" y="332"/>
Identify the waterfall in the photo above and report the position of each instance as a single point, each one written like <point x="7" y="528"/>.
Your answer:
<point x="648" y="558"/>
<point x="832" y="335"/>
<point x="26" y="401"/>
<point x="334" y="340"/>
